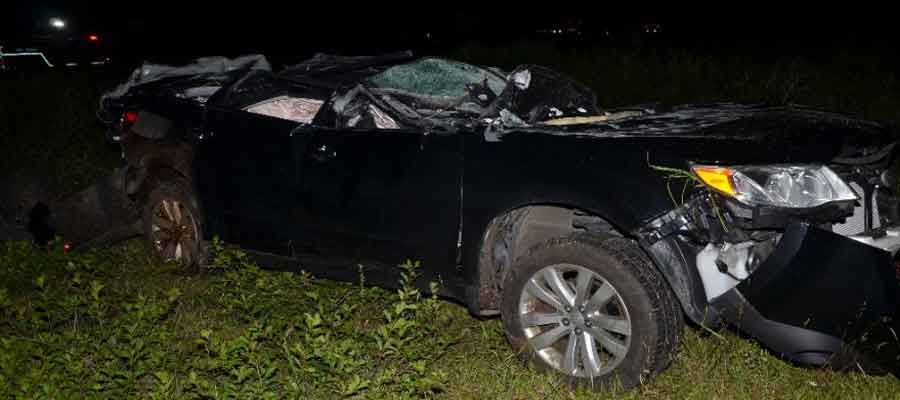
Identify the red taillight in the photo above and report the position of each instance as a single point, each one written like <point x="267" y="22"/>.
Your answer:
<point x="128" y="119"/>
<point x="93" y="38"/>
<point x="131" y="116"/>
<point x="67" y="247"/>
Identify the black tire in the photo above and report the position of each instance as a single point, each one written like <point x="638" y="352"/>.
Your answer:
<point x="186" y="249"/>
<point x="654" y="317"/>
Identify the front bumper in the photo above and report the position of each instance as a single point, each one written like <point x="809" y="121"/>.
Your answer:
<point x="822" y="299"/>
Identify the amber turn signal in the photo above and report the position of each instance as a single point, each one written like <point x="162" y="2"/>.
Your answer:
<point x="718" y="178"/>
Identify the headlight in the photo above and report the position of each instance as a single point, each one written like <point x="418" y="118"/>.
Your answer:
<point x="789" y="186"/>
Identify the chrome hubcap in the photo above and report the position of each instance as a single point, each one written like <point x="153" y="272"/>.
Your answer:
<point x="173" y="231"/>
<point x="575" y="320"/>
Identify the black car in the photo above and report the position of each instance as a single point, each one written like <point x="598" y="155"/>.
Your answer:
<point x="593" y="233"/>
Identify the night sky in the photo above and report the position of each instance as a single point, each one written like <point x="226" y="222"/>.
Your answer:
<point x="177" y="31"/>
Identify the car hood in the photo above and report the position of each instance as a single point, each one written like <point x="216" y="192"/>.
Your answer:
<point x="742" y="133"/>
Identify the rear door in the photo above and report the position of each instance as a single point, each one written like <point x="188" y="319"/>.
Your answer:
<point x="376" y="197"/>
<point x="248" y="162"/>
<point x="246" y="170"/>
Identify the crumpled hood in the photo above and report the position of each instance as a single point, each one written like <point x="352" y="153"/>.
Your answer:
<point x="737" y="133"/>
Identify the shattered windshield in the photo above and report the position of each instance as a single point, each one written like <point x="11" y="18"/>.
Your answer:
<point x="438" y="77"/>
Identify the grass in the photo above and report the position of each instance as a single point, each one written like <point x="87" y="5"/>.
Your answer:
<point x="111" y="323"/>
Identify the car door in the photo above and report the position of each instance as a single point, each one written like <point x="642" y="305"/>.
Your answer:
<point x="246" y="169"/>
<point x="376" y="197"/>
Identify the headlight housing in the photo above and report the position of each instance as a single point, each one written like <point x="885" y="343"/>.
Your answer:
<point x="786" y="186"/>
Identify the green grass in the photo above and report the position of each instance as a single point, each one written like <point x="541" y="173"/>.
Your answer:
<point x="110" y="323"/>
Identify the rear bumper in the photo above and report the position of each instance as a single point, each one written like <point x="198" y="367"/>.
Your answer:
<point x="822" y="298"/>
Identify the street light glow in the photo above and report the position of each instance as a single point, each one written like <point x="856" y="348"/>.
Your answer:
<point x="57" y="23"/>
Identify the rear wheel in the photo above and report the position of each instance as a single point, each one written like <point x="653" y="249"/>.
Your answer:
<point x="592" y="309"/>
<point x="172" y="224"/>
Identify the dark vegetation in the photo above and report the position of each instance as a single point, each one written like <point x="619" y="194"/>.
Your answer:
<point x="109" y="323"/>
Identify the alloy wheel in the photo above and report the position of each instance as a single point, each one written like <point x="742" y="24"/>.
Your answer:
<point x="174" y="231"/>
<point x="575" y="320"/>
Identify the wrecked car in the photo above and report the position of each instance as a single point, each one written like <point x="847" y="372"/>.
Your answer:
<point x="593" y="233"/>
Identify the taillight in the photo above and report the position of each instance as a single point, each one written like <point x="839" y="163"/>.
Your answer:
<point x="128" y="119"/>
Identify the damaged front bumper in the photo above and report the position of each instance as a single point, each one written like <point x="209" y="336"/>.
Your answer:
<point x="822" y="299"/>
<point x="811" y="295"/>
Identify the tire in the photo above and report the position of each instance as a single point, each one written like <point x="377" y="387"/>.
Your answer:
<point x="627" y="314"/>
<point x="172" y="224"/>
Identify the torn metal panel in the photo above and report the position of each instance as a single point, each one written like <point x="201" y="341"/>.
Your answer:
<point x="259" y="86"/>
<point x="382" y="119"/>
<point x="359" y="108"/>
<point x="199" y="94"/>
<point x="211" y="66"/>
<point x="537" y="94"/>
<point x="729" y="121"/>
<point x="334" y="71"/>
<point x="497" y="127"/>
<point x="521" y="79"/>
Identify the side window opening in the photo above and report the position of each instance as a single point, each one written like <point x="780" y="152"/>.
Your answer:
<point x="262" y="93"/>
<point x="297" y="109"/>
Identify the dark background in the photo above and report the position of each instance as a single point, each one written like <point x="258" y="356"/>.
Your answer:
<point x="288" y="32"/>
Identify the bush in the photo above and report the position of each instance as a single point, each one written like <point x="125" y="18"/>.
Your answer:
<point x="76" y="329"/>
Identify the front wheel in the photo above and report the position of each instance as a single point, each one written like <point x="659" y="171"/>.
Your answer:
<point x="172" y="224"/>
<point x="592" y="309"/>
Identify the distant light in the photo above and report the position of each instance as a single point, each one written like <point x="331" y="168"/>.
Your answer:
<point x="93" y="38"/>
<point x="57" y="23"/>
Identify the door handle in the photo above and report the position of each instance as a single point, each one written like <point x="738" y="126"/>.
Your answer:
<point x="322" y="153"/>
